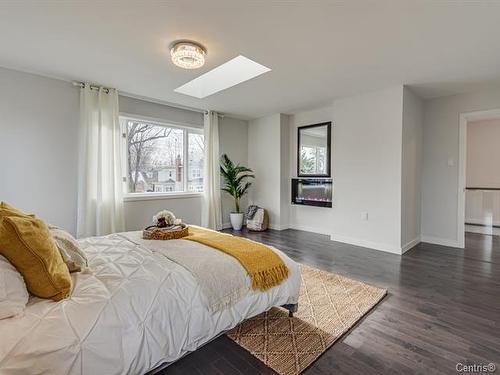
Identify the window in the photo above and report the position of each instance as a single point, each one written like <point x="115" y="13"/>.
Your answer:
<point x="195" y="162"/>
<point x="157" y="156"/>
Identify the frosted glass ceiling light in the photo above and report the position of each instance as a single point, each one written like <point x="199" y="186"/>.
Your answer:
<point x="188" y="55"/>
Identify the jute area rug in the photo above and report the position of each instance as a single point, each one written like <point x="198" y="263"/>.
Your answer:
<point x="329" y="305"/>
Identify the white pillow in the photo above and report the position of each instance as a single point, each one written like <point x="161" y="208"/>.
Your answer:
<point x="13" y="292"/>
<point x="72" y="255"/>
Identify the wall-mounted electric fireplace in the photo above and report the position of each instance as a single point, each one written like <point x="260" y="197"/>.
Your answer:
<point x="312" y="191"/>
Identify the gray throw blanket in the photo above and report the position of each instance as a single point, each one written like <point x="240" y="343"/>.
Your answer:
<point x="222" y="279"/>
<point x="251" y="211"/>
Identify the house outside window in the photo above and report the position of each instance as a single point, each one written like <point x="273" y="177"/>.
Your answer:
<point x="162" y="158"/>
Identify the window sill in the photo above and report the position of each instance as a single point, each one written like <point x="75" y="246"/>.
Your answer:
<point x="131" y="197"/>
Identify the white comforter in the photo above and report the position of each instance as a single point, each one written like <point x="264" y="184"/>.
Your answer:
<point x="136" y="311"/>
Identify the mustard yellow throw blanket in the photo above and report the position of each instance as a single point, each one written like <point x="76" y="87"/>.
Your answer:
<point x="263" y="265"/>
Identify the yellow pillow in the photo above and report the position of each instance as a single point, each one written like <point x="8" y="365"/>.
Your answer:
<point x="6" y="210"/>
<point x="26" y="242"/>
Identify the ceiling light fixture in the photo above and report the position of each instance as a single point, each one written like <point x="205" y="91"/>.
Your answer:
<point x="188" y="55"/>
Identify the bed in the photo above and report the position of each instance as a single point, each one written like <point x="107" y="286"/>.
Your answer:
<point x="136" y="310"/>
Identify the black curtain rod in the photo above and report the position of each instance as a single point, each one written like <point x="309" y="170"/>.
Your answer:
<point x="92" y="87"/>
<point x="106" y="89"/>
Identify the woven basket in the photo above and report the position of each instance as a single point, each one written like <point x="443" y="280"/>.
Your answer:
<point x="256" y="226"/>
<point x="167" y="233"/>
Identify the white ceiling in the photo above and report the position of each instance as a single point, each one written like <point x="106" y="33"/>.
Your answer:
<point x="317" y="50"/>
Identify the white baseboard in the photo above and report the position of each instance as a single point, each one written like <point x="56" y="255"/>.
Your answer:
<point x="279" y="227"/>
<point x="410" y="245"/>
<point x="368" y="244"/>
<point x="440" y="241"/>
<point x="275" y="227"/>
<point x="308" y="229"/>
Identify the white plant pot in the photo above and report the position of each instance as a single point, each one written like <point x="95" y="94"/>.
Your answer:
<point x="236" y="220"/>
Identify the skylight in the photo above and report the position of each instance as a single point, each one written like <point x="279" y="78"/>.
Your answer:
<point x="231" y="73"/>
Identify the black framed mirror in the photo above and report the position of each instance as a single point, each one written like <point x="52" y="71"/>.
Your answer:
<point x="313" y="150"/>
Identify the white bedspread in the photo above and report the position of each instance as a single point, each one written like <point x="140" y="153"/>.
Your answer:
<point x="222" y="279"/>
<point x="136" y="311"/>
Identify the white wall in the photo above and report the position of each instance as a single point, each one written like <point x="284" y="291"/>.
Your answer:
<point x="313" y="219"/>
<point x="366" y="170"/>
<point x="233" y="141"/>
<point x="38" y="146"/>
<point x="367" y="167"/>
<point x="441" y="148"/>
<point x="483" y="154"/>
<point x="411" y="173"/>
<point x="174" y="115"/>
<point x="264" y="157"/>
<point x="139" y="213"/>
<point x="285" y="187"/>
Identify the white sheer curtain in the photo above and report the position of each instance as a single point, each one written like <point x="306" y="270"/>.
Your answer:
<point x="100" y="186"/>
<point x="211" y="211"/>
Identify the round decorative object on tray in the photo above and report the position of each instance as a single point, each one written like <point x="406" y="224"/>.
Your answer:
<point x="170" y="232"/>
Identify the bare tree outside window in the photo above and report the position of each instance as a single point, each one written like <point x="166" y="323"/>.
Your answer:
<point x="156" y="158"/>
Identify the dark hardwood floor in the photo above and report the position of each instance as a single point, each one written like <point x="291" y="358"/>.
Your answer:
<point x="442" y="308"/>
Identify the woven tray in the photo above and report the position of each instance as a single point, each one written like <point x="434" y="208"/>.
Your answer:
<point x="168" y="233"/>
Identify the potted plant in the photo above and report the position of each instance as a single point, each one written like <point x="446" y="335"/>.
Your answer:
<point x="236" y="184"/>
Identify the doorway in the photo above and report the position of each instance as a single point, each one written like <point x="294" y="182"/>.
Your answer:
<point x="479" y="173"/>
